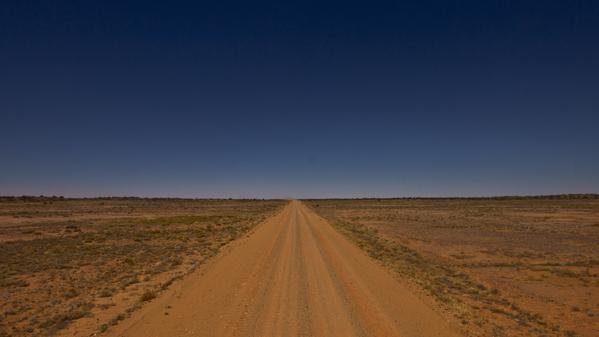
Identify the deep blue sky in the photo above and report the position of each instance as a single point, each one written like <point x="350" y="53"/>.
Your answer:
<point x="312" y="99"/>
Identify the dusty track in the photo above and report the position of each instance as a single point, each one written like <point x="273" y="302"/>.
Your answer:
<point x="294" y="276"/>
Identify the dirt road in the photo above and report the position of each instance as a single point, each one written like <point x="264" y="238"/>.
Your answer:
<point x="294" y="276"/>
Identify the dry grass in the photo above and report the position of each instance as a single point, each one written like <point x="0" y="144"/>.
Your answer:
<point x="62" y="261"/>
<point x="500" y="267"/>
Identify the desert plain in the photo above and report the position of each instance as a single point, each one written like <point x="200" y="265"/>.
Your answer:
<point x="526" y="266"/>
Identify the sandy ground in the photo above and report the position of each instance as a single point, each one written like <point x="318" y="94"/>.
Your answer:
<point x="518" y="267"/>
<point x="75" y="267"/>
<point x="293" y="276"/>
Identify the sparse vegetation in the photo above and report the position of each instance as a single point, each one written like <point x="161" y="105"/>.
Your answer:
<point x="497" y="264"/>
<point x="148" y="295"/>
<point x="63" y="260"/>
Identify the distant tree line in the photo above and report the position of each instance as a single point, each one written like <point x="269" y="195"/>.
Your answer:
<point x="506" y="197"/>
<point x="41" y="198"/>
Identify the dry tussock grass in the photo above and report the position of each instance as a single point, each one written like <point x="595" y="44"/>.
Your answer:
<point x="66" y="260"/>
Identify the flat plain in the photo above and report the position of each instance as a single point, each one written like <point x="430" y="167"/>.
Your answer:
<point x="132" y="267"/>
<point x="69" y="266"/>
<point x="497" y="266"/>
<point x="295" y="275"/>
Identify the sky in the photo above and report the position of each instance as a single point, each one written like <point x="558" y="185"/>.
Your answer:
<point x="299" y="99"/>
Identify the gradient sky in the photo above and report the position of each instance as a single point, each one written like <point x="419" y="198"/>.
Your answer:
<point x="306" y="99"/>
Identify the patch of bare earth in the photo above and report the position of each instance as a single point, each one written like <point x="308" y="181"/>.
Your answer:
<point x="78" y="267"/>
<point x="500" y="267"/>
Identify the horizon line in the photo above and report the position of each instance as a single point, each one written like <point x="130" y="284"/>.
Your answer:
<point x="511" y="196"/>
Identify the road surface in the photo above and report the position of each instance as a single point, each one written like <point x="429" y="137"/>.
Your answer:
<point x="293" y="276"/>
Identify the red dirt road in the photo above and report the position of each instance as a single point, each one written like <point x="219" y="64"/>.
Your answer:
<point x="293" y="276"/>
